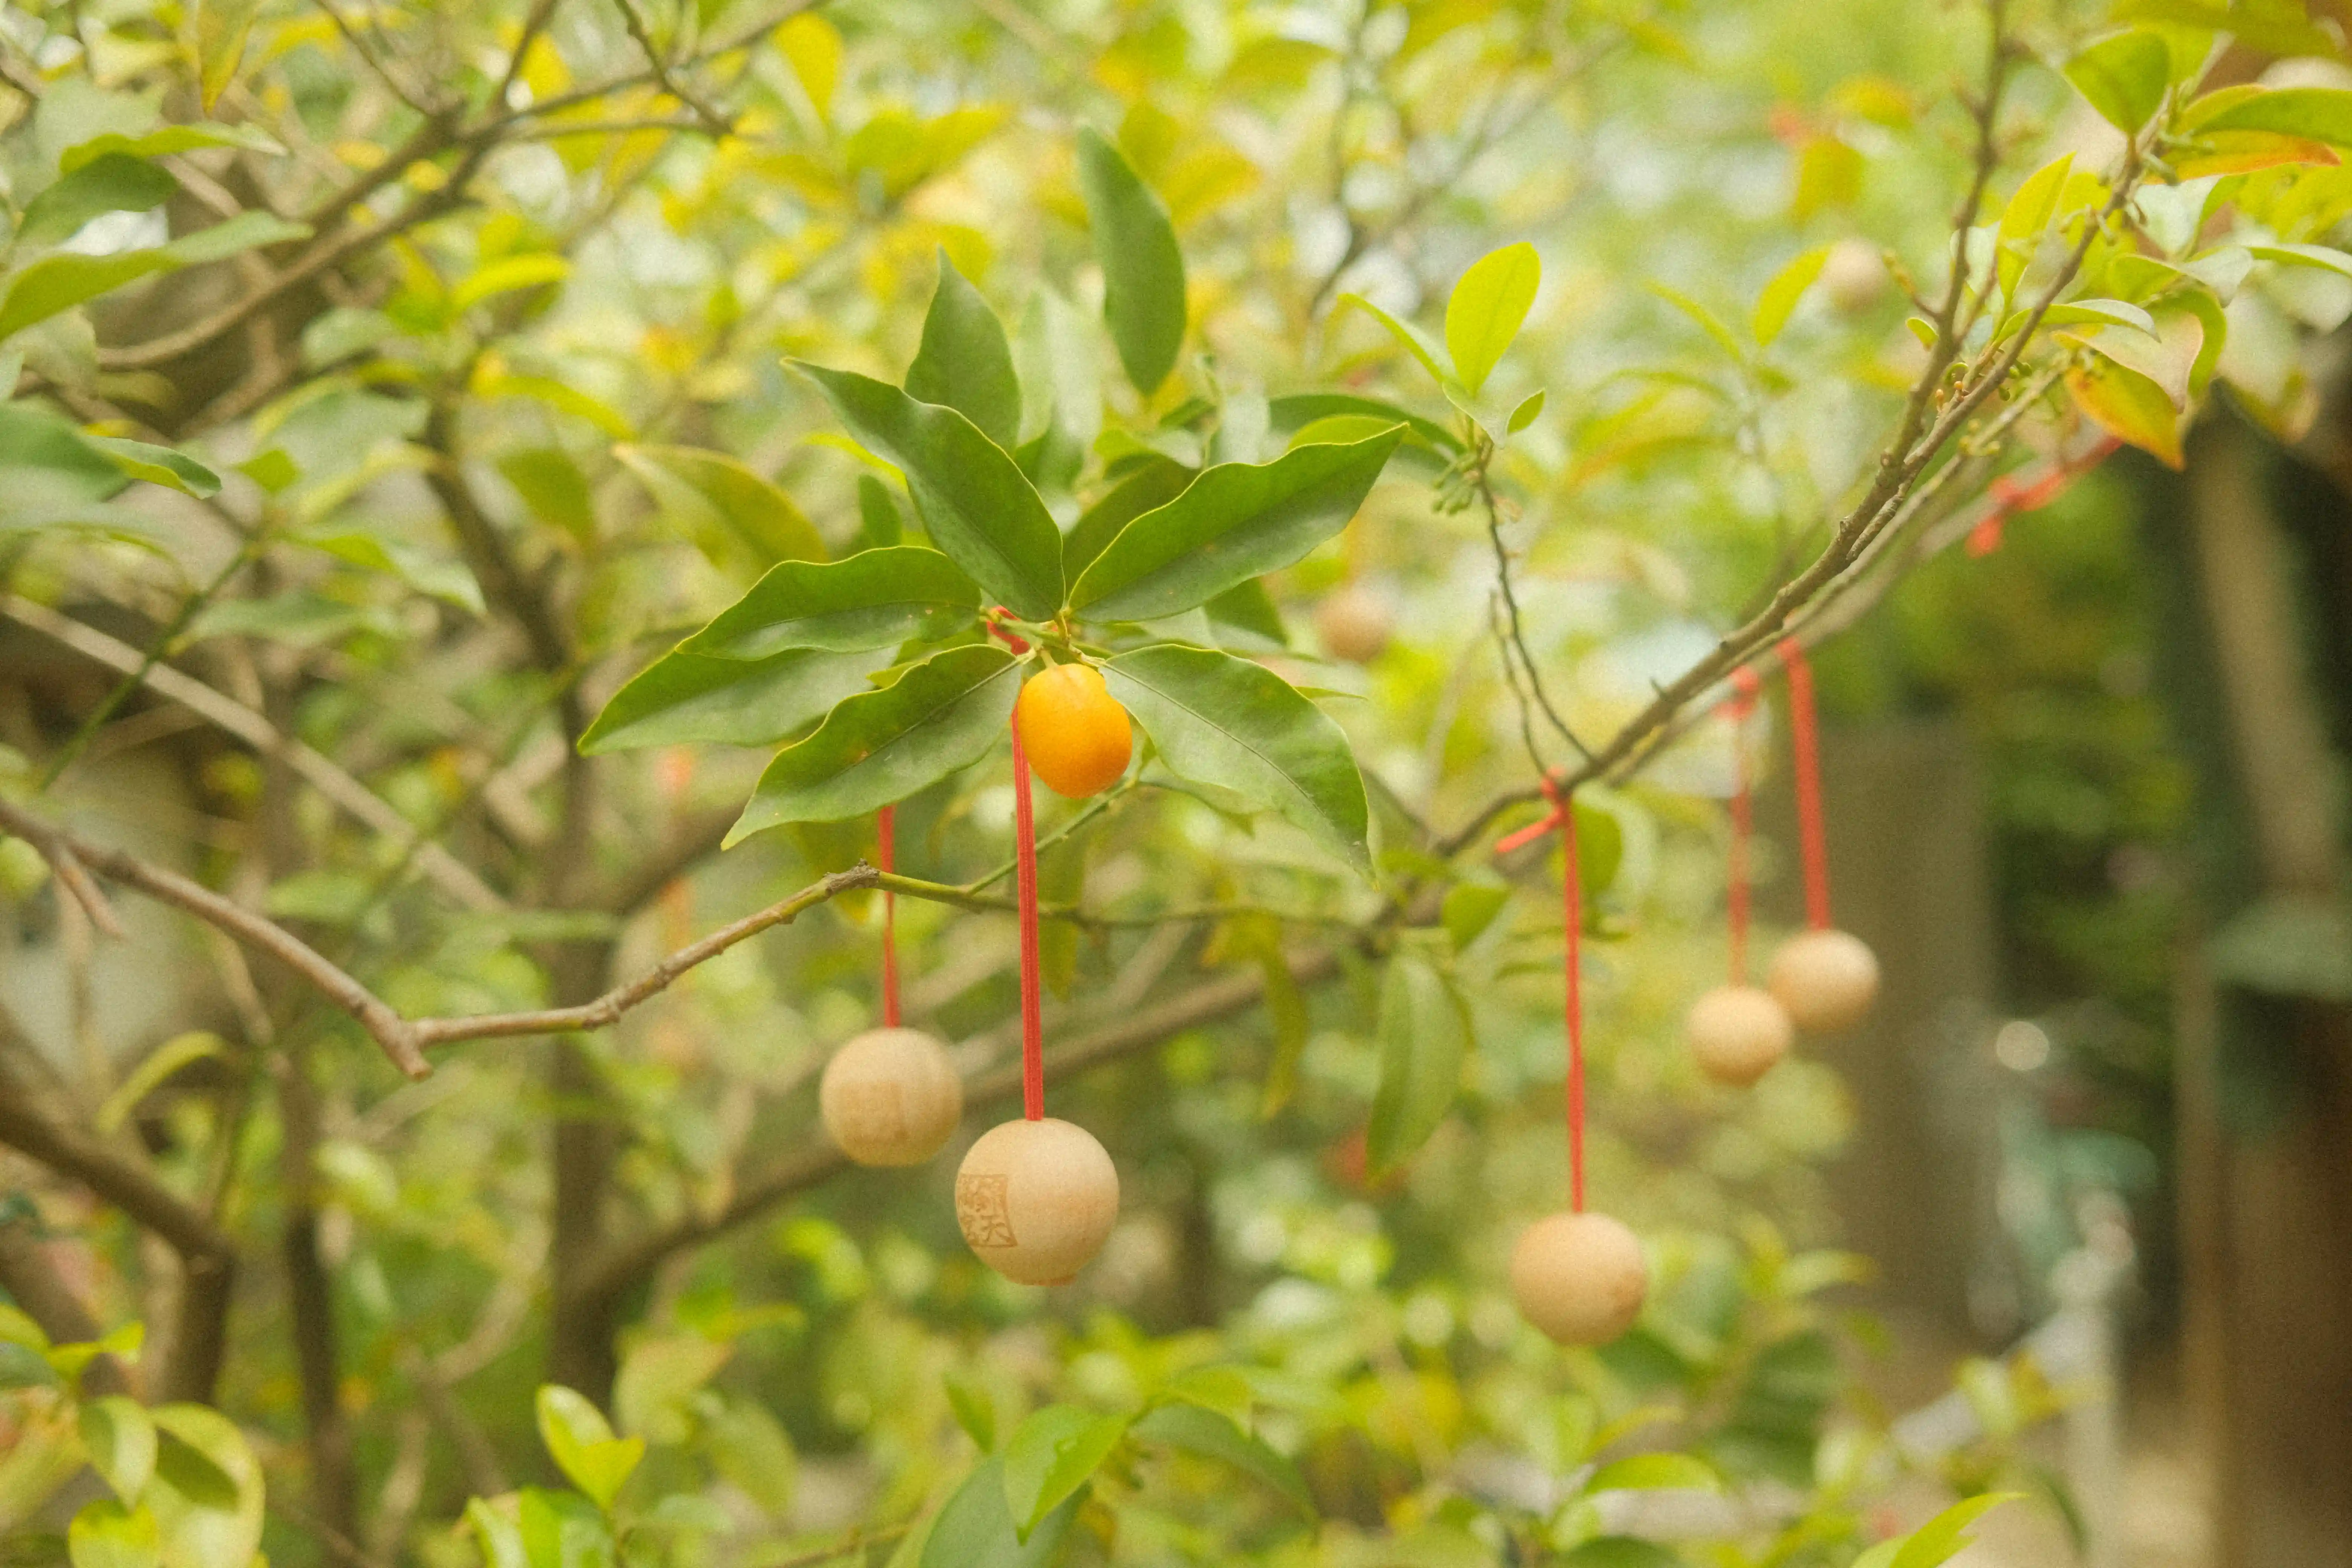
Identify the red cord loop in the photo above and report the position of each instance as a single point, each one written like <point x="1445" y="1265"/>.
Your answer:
<point x="1024" y="872"/>
<point x="1563" y="817"/>
<point x="885" y="823"/>
<point x="1745" y="684"/>
<point x="1804" y="740"/>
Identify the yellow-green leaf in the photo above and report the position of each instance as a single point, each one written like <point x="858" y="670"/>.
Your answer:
<point x="507" y="274"/>
<point x="1778" y="300"/>
<point x="813" y="45"/>
<point x="2127" y="405"/>
<point x="1487" y="310"/>
<point x="2028" y="214"/>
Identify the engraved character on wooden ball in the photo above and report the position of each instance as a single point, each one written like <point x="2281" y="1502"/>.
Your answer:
<point x="890" y="1097"/>
<point x="1036" y="1200"/>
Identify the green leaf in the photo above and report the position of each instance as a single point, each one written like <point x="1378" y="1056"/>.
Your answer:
<point x="974" y="1530"/>
<point x="1778" y="300"/>
<point x="562" y="1529"/>
<point x="191" y="1046"/>
<point x="443" y="577"/>
<point x="1487" y="309"/>
<point x="1225" y="721"/>
<point x="1143" y="270"/>
<point x="2129" y="406"/>
<point x="1053" y="1453"/>
<point x="686" y="697"/>
<point x="2124" y="76"/>
<point x="1706" y="320"/>
<point x="1424" y="1034"/>
<point x="1248" y="608"/>
<point x="1297" y="410"/>
<point x="552" y="486"/>
<point x="2318" y="113"/>
<point x="1209" y="1433"/>
<point x="166" y="140"/>
<point x="880" y="747"/>
<point x="499" y="1538"/>
<point x="710" y="491"/>
<point x="2325" y="257"/>
<point x="112" y="184"/>
<point x="974" y="1412"/>
<point x="1469" y="908"/>
<point x="206" y="1494"/>
<point x="2026" y="217"/>
<point x="505" y="275"/>
<point x="1233" y="523"/>
<point x="978" y="508"/>
<point x="965" y="361"/>
<point x="1530" y="410"/>
<point x="880" y="523"/>
<point x="876" y="598"/>
<point x="1406" y="334"/>
<point x="1941" y="1538"/>
<point x="107" y="1534"/>
<point x="657" y="1377"/>
<point x="60" y="282"/>
<point x="582" y="1446"/>
<point x="2084" y="312"/>
<point x="156" y="465"/>
<point x="1655" y="1472"/>
<point x="121" y="1441"/>
<point x="754" y="1453"/>
<point x="1152" y="484"/>
<point x="18" y="1328"/>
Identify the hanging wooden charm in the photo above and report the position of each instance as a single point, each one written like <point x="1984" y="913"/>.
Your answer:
<point x="1036" y="1198"/>
<point x="1826" y="978"/>
<point x="890" y="1096"/>
<point x="1577" y="1276"/>
<point x="1737" y="1032"/>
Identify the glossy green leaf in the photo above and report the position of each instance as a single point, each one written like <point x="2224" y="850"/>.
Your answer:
<point x="974" y="1530"/>
<point x="880" y="747"/>
<point x="1487" y="309"/>
<point x="562" y="1529"/>
<point x="112" y="182"/>
<point x="2026" y="217"/>
<point x="62" y="281"/>
<point x="582" y="1444"/>
<point x="978" y="507"/>
<point x="975" y="1412"/>
<point x="1213" y="1435"/>
<point x="1151" y="485"/>
<point x="1143" y="270"/>
<point x="1225" y="721"/>
<point x="713" y="492"/>
<point x="2325" y="257"/>
<point x="1424" y="1036"/>
<point x="2124" y="76"/>
<point x="1530" y="410"/>
<point x="1406" y="334"/>
<point x="2084" y="312"/>
<point x="684" y="697"/>
<point x="1296" y="411"/>
<point x="108" y="1534"/>
<point x="206" y="1494"/>
<point x="1053" y="1453"/>
<point x="880" y="523"/>
<point x="156" y="465"/>
<point x="1778" y="300"/>
<point x="876" y="598"/>
<point x="965" y="361"/>
<point x="1655" y="1472"/>
<point x="2317" y="113"/>
<point x="1941" y="1538"/>
<point x="1234" y="522"/>
<point x="121" y="1441"/>
<point x="1247" y="609"/>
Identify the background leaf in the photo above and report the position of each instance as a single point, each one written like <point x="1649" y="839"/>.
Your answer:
<point x="710" y="492"/>
<point x="1143" y="270"/>
<point x="1208" y="1433"/>
<point x="965" y="361"/>
<point x="684" y="697"/>
<point x="974" y="1530"/>
<point x="2124" y="76"/>
<point x="1424" y="1036"/>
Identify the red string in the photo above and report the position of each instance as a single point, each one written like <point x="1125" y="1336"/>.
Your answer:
<point x="1804" y="740"/>
<point x="1571" y="903"/>
<point x="885" y="823"/>
<point x="1025" y="861"/>
<point x="1743" y="819"/>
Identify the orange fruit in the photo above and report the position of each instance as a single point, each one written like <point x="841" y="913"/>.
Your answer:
<point x="1077" y="736"/>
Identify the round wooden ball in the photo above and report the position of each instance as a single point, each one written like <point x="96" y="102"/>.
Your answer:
<point x="1737" y="1033"/>
<point x="890" y="1097"/>
<point x="1036" y="1200"/>
<point x="1580" y="1278"/>
<point x="1826" y="979"/>
<point x="1353" y="623"/>
<point x="1854" y="276"/>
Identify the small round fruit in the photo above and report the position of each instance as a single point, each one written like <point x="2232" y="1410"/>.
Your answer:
<point x="1737" y="1033"/>
<point x="1854" y="276"/>
<point x="1579" y="1277"/>
<point x="1077" y="736"/>
<point x="1353" y="624"/>
<point x="890" y="1097"/>
<point x="1826" y="979"/>
<point x="1036" y="1200"/>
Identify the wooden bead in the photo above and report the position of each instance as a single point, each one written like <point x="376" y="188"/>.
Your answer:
<point x="1737" y="1033"/>
<point x="1353" y="624"/>
<point x="1036" y="1200"/>
<point x="1854" y="276"/>
<point x="1826" y="979"/>
<point x="890" y="1097"/>
<point x="1580" y="1278"/>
